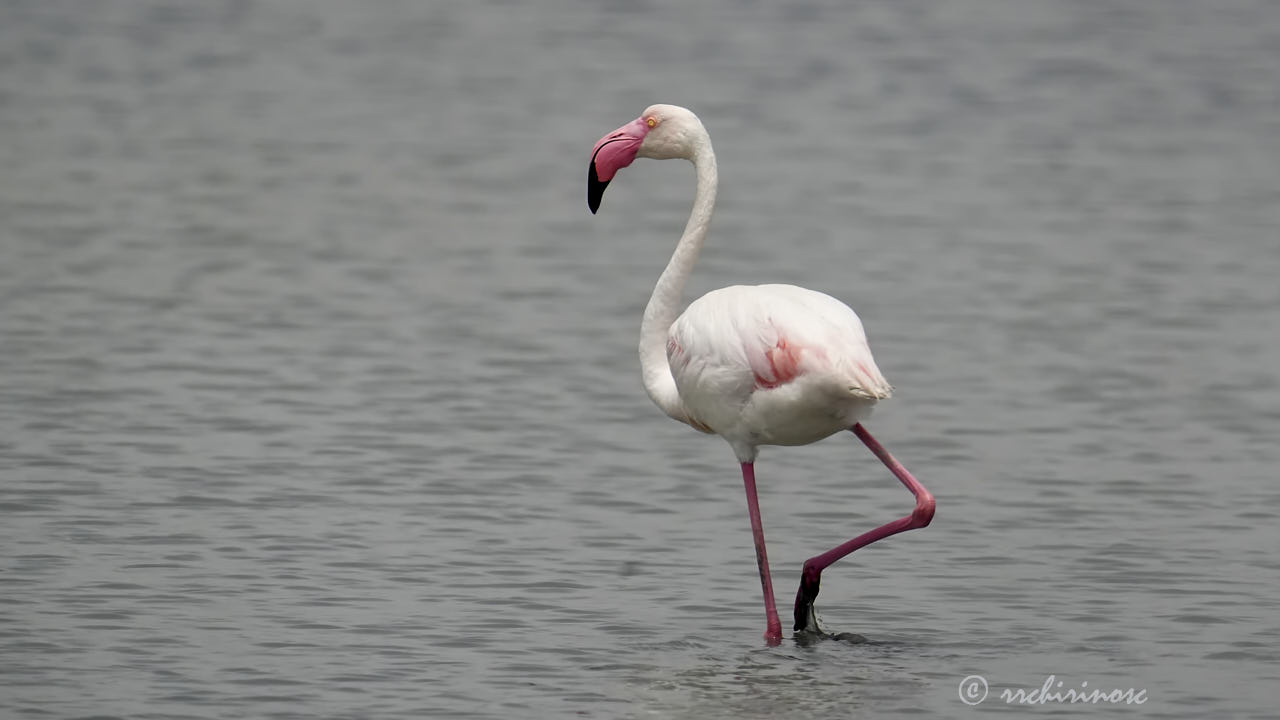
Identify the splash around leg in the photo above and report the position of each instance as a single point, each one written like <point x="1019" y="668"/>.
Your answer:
<point x="807" y="628"/>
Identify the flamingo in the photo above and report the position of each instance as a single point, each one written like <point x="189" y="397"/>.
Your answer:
<point x="756" y="365"/>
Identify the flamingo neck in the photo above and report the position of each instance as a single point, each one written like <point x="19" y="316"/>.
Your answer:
<point x="664" y="304"/>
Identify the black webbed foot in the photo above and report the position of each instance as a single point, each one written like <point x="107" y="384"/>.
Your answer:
<point x="805" y="619"/>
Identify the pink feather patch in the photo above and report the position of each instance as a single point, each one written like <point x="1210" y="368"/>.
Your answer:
<point x="784" y="365"/>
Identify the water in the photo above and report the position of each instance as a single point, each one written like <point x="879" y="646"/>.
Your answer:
<point x="320" y="395"/>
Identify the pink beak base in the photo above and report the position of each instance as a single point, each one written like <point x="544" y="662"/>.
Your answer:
<point x="612" y="153"/>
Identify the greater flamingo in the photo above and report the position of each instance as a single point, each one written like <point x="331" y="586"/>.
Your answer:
<point x="756" y="365"/>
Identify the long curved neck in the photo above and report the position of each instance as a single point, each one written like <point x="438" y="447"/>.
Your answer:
<point x="664" y="304"/>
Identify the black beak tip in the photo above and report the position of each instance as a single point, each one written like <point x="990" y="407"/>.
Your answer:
<point x="595" y="189"/>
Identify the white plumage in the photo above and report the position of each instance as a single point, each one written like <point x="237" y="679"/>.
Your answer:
<point x="772" y="365"/>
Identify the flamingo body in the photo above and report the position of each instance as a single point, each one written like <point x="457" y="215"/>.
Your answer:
<point x="772" y="365"/>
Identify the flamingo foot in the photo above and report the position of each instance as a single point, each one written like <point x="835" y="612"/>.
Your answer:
<point x="808" y="631"/>
<point x="805" y="618"/>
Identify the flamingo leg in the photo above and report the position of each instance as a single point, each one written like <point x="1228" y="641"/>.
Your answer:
<point x="773" y="628"/>
<point x="920" y="517"/>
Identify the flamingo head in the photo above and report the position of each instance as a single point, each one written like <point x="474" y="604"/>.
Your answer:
<point x="661" y="132"/>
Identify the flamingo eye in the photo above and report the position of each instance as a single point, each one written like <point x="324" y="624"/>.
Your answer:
<point x="651" y="121"/>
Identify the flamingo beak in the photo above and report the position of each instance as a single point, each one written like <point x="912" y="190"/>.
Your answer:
<point x="612" y="153"/>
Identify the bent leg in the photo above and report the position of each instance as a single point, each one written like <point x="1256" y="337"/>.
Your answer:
<point x="919" y="517"/>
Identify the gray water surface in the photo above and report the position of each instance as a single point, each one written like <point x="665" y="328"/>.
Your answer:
<point x="319" y="394"/>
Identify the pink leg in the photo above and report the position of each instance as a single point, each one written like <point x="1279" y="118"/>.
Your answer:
<point x="918" y="518"/>
<point x="773" y="629"/>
